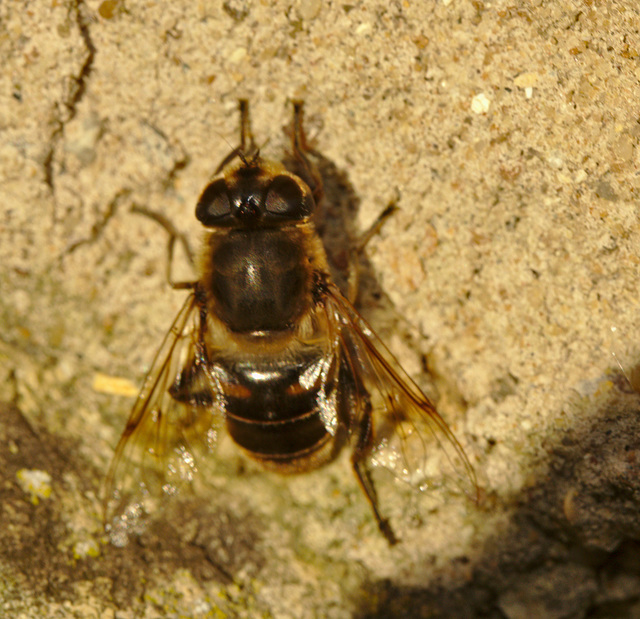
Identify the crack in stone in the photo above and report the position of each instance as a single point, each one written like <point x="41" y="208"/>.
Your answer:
<point x="99" y="226"/>
<point x="75" y="94"/>
<point x="97" y="229"/>
<point x="179" y="163"/>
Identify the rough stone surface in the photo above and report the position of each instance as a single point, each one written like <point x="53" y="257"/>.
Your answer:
<point x="508" y="133"/>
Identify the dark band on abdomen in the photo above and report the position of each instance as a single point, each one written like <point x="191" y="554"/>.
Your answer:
<point x="278" y="439"/>
<point x="277" y="418"/>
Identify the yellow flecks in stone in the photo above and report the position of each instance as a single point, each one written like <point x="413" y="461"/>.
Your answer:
<point x="114" y="385"/>
<point x="480" y="104"/>
<point x="36" y="483"/>
<point x="108" y="8"/>
<point x="237" y="55"/>
<point x="86" y="548"/>
<point x="526" y="80"/>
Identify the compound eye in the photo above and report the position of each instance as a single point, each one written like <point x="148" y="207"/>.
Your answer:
<point x="287" y="199"/>
<point x="214" y="206"/>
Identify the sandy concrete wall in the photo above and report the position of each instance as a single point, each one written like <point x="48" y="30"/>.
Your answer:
<point x="509" y="132"/>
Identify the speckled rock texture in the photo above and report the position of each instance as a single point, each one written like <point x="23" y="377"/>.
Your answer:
<point x="506" y="284"/>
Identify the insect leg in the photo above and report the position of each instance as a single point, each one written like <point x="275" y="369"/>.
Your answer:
<point x="174" y="235"/>
<point x="247" y="149"/>
<point x="359" y="247"/>
<point x="245" y="127"/>
<point x="358" y="459"/>
<point x="307" y="170"/>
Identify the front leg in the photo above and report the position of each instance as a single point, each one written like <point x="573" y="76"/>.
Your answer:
<point x="174" y="235"/>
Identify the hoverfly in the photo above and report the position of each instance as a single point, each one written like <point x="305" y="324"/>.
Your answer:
<point x="267" y="348"/>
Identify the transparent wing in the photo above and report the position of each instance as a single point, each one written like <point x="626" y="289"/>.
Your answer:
<point x="408" y="436"/>
<point x="174" y="422"/>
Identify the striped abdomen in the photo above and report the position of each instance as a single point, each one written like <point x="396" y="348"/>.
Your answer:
<point x="277" y="417"/>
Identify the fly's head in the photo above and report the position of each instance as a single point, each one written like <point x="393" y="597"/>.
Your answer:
<point x="255" y="193"/>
